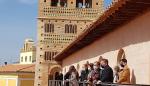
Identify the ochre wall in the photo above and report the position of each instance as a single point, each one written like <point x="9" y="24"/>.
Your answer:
<point x="12" y="83"/>
<point x="3" y="82"/>
<point x="17" y="80"/>
<point x="8" y="80"/>
<point x="26" y="79"/>
<point x="27" y="83"/>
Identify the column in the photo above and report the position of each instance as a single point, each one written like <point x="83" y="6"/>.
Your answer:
<point x="83" y="4"/>
<point x="58" y="4"/>
<point x="18" y="82"/>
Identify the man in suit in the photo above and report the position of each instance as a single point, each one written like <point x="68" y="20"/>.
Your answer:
<point x="106" y="75"/>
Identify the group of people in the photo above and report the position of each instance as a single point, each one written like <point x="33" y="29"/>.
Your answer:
<point x="99" y="72"/>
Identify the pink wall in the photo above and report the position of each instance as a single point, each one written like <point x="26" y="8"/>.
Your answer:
<point x="133" y="37"/>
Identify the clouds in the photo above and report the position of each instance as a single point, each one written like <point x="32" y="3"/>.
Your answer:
<point x="28" y="1"/>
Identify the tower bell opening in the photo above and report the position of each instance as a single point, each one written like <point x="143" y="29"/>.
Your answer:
<point x="84" y="3"/>
<point x="61" y="3"/>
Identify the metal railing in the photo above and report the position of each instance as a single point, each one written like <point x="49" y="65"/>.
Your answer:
<point x="71" y="83"/>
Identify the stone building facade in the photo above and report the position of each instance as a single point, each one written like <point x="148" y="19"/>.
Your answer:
<point x="28" y="52"/>
<point x="59" y="23"/>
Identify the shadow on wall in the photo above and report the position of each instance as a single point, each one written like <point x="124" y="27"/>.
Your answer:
<point x="133" y="33"/>
<point x="133" y="77"/>
<point x="129" y="34"/>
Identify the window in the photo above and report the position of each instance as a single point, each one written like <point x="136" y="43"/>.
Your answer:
<point x="54" y="2"/>
<point x="49" y="28"/>
<point x="88" y="3"/>
<point x="63" y="3"/>
<point x="96" y="3"/>
<point x="30" y="58"/>
<point x="21" y="59"/>
<point x="70" y="28"/>
<point x="79" y="3"/>
<point x="66" y="28"/>
<point x="49" y="55"/>
<point x="26" y="59"/>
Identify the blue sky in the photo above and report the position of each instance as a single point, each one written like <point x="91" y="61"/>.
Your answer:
<point x="17" y="22"/>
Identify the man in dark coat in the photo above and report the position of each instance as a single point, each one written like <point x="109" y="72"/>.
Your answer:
<point x="106" y="72"/>
<point x="61" y="79"/>
<point x="67" y="77"/>
<point x="84" y="73"/>
<point x="57" y="76"/>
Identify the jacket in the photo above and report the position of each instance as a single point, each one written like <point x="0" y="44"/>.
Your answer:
<point x="124" y="76"/>
<point x="106" y="74"/>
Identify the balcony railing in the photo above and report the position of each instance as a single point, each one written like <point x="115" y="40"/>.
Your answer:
<point x="55" y="12"/>
<point x="70" y="83"/>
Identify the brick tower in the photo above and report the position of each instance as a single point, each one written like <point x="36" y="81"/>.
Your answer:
<point x="59" y="23"/>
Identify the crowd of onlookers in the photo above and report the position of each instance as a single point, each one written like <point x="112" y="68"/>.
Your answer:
<point x="98" y="72"/>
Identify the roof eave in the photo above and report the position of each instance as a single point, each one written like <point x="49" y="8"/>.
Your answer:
<point x="115" y="13"/>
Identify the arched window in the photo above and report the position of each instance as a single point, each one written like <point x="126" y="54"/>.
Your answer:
<point x="66" y="28"/>
<point x="49" y="55"/>
<point x="121" y="55"/>
<point x="70" y="28"/>
<point x="49" y="28"/>
<point x="88" y="3"/>
<point x="52" y="27"/>
<point x="79" y="3"/>
<point x="54" y="2"/>
<point x="63" y="3"/>
<point x="75" y="28"/>
<point x="46" y="26"/>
